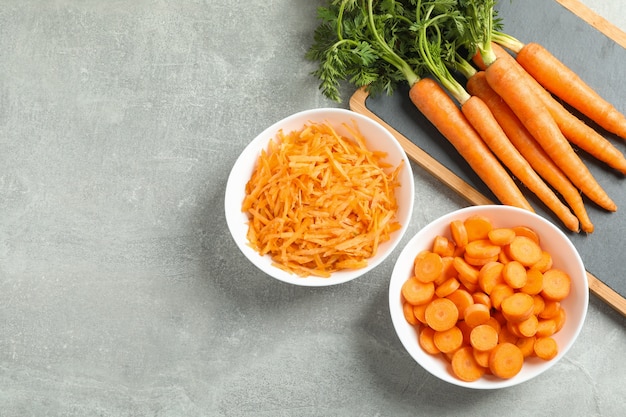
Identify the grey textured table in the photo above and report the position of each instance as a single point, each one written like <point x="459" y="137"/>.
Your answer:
<point x="121" y="290"/>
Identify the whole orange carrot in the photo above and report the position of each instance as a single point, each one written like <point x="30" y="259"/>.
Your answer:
<point x="559" y="79"/>
<point x="529" y="148"/>
<point x="481" y="117"/>
<point x="574" y="129"/>
<point x="507" y="81"/>
<point x="444" y="114"/>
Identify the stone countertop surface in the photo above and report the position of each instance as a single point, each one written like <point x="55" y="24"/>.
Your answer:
<point x="122" y="292"/>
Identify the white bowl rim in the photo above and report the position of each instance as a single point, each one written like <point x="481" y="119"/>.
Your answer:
<point x="436" y="365"/>
<point x="233" y="192"/>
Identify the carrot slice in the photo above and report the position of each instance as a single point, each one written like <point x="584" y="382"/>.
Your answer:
<point x="540" y="305"/>
<point x="426" y="340"/>
<point x="506" y="360"/>
<point x="448" y="340"/>
<point x="490" y="275"/>
<point x="550" y="309"/>
<point x="514" y="274"/>
<point x="525" y="251"/>
<point x="419" y="312"/>
<point x="482" y="248"/>
<point x="556" y="284"/>
<point x="447" y="287"/>
<point x="501" y="236"/>
<point x="461" y="299"/>
<point x="544" y="263"/>
<point x="459" y="233"/>
<point x="499" y="293"/>
<point x="476" y="314"/>
<point x="526" y="345"/>
<point x="481" y="357"/>
<point x="546" y="348"/>
<point x="441" y="314"/>
<point x="428" y="267"/>
<point x="466" y="271"/>
<point x="443" y="246"/>
<point x="417" y="292"/>
<point x="528" y="232"/>
<point x="409" y="316"/>
<point x="464" y="365"/>
<point x="528" y="327"/>
<point x="481" y="298"/>
<point x="484" y="337"/>
<point x="546" y="327"/>
<point x="518" y="307"/>
<point x="478" y="227"/>
<point x="534" y="282"/>
<point x="478" y="262"/>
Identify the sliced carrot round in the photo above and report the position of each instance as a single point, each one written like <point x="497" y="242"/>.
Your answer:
<point x="478" y="227"/>
<point x="514" y="274"/>
<point x="517" y="307"/>
<point x="484" y="337"/>
<point x="501" y="236"/>
<point x="429" y="267"/>
<point x="506" y="360"/>
<point x="464" y="365"/>
<point x="476" y="314"/>
<point x="417" y="292"/>
<point x="426" y="340"/>
<point x="459" y="233"/>
<point x="525" y="250"/>
<point x="556" y="284"/>
<point x="441" y="314"/>
<point x="448" y="340"/>
<point x="546" y="348"/>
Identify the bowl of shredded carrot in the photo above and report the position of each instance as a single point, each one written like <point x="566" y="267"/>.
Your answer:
<point x="320" y="197"/>
<point x="489" y="296"/>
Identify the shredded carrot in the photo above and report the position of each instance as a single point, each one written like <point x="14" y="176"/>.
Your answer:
<point x="319" y="202"/>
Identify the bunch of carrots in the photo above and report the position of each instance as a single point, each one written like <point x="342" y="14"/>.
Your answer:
<point x="506" y="120"/>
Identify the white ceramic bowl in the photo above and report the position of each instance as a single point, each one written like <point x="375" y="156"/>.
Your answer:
<point x="377" y="138"/>
<point x="565" y="256"/>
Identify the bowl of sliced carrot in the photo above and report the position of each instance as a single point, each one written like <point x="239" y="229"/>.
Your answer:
<point x="320" y="197"/>
<point x="488" y="297"/>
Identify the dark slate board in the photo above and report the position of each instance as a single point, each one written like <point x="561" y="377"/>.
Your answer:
<point x="601" y="62"/>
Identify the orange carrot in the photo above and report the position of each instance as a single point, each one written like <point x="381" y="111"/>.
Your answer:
<point x="546" y="348"/>
<point x="482" y="248"/>
<point x="514" y="274"/>
<point x="419" y="311"/>
<point x="544" y="263"/>
<point x="525" y="251"/>
<point x="506" y="360"/>
<point x="461" y="299"/>
<point x="499" y="293"/>
<point x="426" y="340"/>
<point x="447" y="287"/>
<point x="417" y="292"/>
<point x="478" y="227"/>
<point x="534" y="281"/>
<point x="501" y="236"/>
<point x="443" y="113"/>
<point x="526" y="345"/>
<point x="467" y="273"/>
<point x="556" y="284"/>
<point x="464" y="365"/>
<point x="528" y="327"/>
<point x="459" y="233"/>
<point x="529" y="148"/>
<point x="484" y="337"/>
<point x="479" y="115"/>
<point x="448" y="340"/>
<point x="517" y="307"/>
<point x="506" y="79"/>
<point x="441" y="314"/>
<point x="409" y="315"/>
<point x="574" y="129"/>
<point x="428" y="267"/>
<point x="481" y="298"/>
<point x="557" y="78"/>
<point x="490" y="275"/>
<point x="476" y="314"/>
<point x="443" y="246"/>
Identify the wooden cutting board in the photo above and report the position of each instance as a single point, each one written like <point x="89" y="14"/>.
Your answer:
<point x="593" y="48"/>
